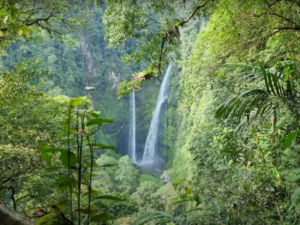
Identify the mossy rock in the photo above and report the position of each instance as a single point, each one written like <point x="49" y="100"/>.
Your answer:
<point x="50" y="219"/>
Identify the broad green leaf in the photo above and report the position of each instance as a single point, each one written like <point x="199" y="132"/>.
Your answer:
<point x="289" y="139"/>
<point x="1" y="33"/>
<point x="109" y="197"/>
<point x="46" y="158"/>
<point x="93" y="193"/>
<point x="63" y="134"/>
<point x="67" y="140"/>
<point x="107" y="165"/>
<point x="55" y="168"/>
<point x="2" y="11"/>
<point x="95" y="115"/>
<point x="88" y="176"/>
<point x="61" y="205"/>
<point x="64" y="158"/>
<point x="180" y="200"/>
<point x="74" y="102"/>
<point x="66" y="181"/>
<point x="101" y="217"/>
<point x="105" y="146"/>
<point x="98" y="121"/>
<point x="52" y="150"/>
<point x="99" y="166"/>
<point x="87" y="211"/>
<point x="293" y="178"/>
<point x="68" y="121"/>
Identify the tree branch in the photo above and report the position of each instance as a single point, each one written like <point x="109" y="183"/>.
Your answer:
<point x="174" y="31"/>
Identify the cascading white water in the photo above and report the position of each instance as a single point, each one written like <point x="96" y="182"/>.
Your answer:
<point x="132" y="133"/>
<point x="149" y="156"/>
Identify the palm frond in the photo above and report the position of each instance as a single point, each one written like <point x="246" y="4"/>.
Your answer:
<point x="158" y="215"/>
<point x="278" y="91"/>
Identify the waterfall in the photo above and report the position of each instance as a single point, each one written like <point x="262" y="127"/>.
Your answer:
<point x="132" y="132"/>
<point x="149" y="156"/>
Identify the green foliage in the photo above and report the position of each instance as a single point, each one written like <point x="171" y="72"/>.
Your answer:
<point x="260" y="102"/>
<point x="155" y="25"/>
<point x="127" y="175"/>
<point x="50" y="219"/>
<point x="26" y="19"/>
<point x="145" y="177"/>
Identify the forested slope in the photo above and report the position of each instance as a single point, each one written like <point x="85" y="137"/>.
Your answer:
<point x="229" y="132"/>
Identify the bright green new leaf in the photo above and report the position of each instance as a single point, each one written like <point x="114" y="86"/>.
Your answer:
<point x="2" y="11"/>
<point x="20" y="31"/>
<point x="74" y="102"/>
<point x="93" y="193"/>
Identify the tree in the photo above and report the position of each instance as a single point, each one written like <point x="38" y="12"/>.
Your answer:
<point x="155" y="25"/>
<point x="127" y="174"/>
<point x="29" y="18"/>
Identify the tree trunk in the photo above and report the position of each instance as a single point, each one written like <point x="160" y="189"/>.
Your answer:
<point x="8" y="217"/>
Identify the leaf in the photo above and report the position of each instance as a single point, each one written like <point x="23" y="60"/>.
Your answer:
<point x="87" y="211"/>
<point x="66" y="122"/>
<point x="51" y="169"/>
<point x="20" y="31"/>
<point x="74" y="102"/>
<point x="105" y="146"/>
<point x="98" y="121"/>
<point x="65" y="182"/>
<point x="93" y="193"/>
<point x="64" y="158"/>
<point x="61" y="203"/>
<point x="95" y="115"/>
<point x="109" y="197"/>
<point x="2" y="11"/>
<point x="26" y="31"/>
<point x="289" y="139"/>
<point x="107" y="165"/>
<point x="67" y="140"/>
<point x="293" y="178"/>
<point x="46" y="158"/>
<point x="1" y="33"/>
<point x="63" y="134"/>
<point x="46" y="149"/>
<point x="101" y="217"/>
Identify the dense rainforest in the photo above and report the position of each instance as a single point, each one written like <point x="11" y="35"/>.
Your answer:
<point x="179" y="112"/>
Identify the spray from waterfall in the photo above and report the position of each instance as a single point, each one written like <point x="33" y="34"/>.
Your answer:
<point x="150" y="152"/>
<point x="132" y="132"/>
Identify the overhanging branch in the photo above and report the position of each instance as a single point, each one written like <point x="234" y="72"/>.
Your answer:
<point x="174" y="32"/>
